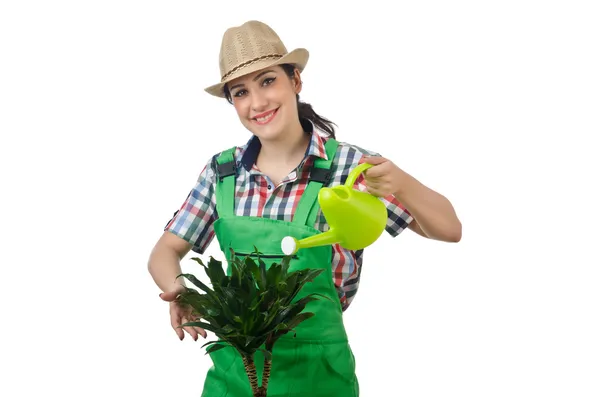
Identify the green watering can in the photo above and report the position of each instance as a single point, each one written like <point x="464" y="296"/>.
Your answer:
<point x="356" y="219"/>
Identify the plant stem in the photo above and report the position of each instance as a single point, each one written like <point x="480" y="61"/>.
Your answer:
<point x="266" y="375"/>
<point x="251" y="372"/>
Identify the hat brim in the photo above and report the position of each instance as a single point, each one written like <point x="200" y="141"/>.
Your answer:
<point x="297" y="57"/>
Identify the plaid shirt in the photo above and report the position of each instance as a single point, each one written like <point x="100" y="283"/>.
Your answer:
<point x="256" y="195"/>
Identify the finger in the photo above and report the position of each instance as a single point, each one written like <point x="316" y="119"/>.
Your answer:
<point x="370" y="179"/>
<point x="199" y="330"/>
<point x="382" y="184"/>
<point x="380" y="189"/>
<point x="375" y="191"/>
<point x="375" y="160"/>
<point x="175" y="323"/>
<point x="377" y="171"/>
<point x="190" y="330"/>
<point x="375" y="184"/>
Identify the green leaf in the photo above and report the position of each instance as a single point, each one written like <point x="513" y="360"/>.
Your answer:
<point x="230" y="329"/>
<point x="212" y="312"/>
<point x="274" y="274"/>
<point x="230" y="301"/>
<point x="253" y="271"/>
<point x="214" y="348"/>
<point x="268" y="355"/>
<point x="212" y="342"/>
<point x="322" y="296"/>
<point x="290" y="311"/>
<point x="256" y="251"/>
<point x="203" y="325"/>
<point x="298" y="279"/>
<point x="236" y="274"/>
<point x="215" y="271"/>
<point x="199" y="303"/>
<point x="258" y="322"/>
<point x="197" y="283"/>
<point x="298" y="319"/>
<point x="285" y="264"/>
<point x="249" y="340"/>
<point x="292" y="282"/>
<point x="263" y="275"/>
<point x="199" y="261"/>
<point x="308" y="275"/>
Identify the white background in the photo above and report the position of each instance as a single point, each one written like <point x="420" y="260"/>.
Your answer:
<point x="105" y="127"/>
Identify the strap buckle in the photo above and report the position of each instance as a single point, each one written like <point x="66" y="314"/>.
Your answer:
<point x="226" y="169"/>
<point x="321" y="175"/>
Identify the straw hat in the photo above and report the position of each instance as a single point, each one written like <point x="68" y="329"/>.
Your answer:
<point x="250" y="47"/>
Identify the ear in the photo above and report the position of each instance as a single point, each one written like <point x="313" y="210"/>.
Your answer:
<point x="297" y="82"/>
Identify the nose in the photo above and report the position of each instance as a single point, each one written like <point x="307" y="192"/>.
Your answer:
<point x="259" y="101"/>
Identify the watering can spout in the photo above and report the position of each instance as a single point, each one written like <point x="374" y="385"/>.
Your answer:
<point x="290" y="245"/>
<point x="356" y="219"/>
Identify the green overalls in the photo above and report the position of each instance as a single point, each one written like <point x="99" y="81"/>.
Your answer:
<point x="319" y="360"/>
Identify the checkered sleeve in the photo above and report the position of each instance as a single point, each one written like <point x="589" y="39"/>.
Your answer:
<point x="398" y="216"/>
<point x="194" y="220"/>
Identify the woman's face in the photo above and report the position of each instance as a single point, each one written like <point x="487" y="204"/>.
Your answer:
<point x="265" y="101"/>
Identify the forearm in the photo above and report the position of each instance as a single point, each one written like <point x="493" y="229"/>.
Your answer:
<point x="432" y="211"/>
<point x="164" y="266"/>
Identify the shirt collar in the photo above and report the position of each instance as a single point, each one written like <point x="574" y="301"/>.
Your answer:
<point x="316" y="147"/>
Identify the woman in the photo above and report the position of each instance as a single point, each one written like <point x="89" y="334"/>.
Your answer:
<point x="262" y="185"/>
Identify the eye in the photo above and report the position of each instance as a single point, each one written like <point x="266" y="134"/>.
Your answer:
<point x="239" y="93"/>
<point x="268" y="81"/>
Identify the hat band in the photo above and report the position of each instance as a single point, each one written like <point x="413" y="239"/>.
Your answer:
<point x="251" y="61"/>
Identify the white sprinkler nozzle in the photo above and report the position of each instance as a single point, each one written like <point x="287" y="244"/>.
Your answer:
<point x="288" y="245"/>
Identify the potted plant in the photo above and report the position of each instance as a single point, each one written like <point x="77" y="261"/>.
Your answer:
<point x="250" y="308"/>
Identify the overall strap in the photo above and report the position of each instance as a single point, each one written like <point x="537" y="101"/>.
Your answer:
<point x="225" y="186"/>
<point x="320" y="175"/>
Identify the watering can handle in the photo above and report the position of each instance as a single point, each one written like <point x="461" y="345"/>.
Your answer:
<point x="356" y="172"/>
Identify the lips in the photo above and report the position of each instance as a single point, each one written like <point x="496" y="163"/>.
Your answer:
<point x="266" y="117"/>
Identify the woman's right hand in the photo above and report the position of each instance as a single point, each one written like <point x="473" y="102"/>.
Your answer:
<point x="181" y="314"/>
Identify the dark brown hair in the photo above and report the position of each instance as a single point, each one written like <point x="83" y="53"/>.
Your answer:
<point x="305" y="110"/>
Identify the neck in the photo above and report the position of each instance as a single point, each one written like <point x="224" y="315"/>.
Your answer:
<point x="288" y="150"/>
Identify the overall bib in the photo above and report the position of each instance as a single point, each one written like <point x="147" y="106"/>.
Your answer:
<point x="318" y="361"/>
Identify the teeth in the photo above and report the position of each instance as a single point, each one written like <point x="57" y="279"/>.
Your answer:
<point x="263" y="119"/>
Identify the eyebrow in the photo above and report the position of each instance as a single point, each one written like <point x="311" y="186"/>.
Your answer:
<point x="258" y="76"/>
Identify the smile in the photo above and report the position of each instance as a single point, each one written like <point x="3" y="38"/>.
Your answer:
<point x="265" y="118"/>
